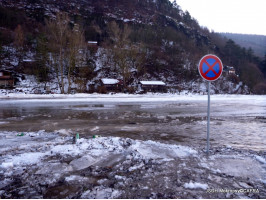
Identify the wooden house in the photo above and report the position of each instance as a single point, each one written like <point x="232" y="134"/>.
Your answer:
<point x="6" y="79"/>
<point x="93" y="45"/>
<point x="111" y="85"/>
<point x="152" y="86"/>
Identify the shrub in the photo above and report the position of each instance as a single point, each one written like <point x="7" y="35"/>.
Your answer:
<point x="260" y="88"/>
<point x="102" y="90"/>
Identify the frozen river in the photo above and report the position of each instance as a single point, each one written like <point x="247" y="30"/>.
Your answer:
<point x="152" y="146"/>
<point x="237" y="121"/>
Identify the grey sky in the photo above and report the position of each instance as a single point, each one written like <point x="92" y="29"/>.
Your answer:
<point x="234" y="16"/>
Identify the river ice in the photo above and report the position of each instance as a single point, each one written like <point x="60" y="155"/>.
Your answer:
<point x="151" y="146"/>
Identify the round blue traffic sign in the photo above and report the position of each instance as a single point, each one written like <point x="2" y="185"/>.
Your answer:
<point x="210" y="67"/>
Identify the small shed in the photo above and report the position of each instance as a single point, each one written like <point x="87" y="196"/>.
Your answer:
<point x="153" y="86"/>
<point x="93" y="45"/>
<point x="6" y="79"/>
<point x="111" y="85"/>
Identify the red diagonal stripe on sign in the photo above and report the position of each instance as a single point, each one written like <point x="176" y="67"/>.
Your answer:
<point x="211" y="68"/>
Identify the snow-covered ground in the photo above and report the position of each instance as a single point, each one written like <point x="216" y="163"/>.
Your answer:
<point x="121" y="97"/>
<point x="48" y="165"/>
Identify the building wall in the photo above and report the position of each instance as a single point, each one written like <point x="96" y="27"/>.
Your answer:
<point x="153" y="88"/>
<point x="7" y="83"/>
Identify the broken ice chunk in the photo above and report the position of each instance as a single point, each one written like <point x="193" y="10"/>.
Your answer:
<point x="54" y="168"/>
<point x="83" y="162"/>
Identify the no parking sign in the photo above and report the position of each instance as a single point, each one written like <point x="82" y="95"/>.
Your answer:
<point x="210" y="68"/>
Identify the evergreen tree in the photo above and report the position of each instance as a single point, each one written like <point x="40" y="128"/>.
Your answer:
<point x="19" y="43"/>
<point x="1" y="55"/>
<point x="263" y="66"/>
<point x="42" y="59"/>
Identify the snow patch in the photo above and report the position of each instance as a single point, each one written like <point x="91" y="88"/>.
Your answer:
<point x="29" y="158"/>
<point x="101" y="193"/>
<point x="76" y="178"/>
<point x="133" y="168"/>
<point x="260" y="159"/>
<point x="149" y="97"/>
<point x="195" y="185"/>
<point x="7" y="165"/>
<point x="96" y="128"/>
<point x="64" y="131"/>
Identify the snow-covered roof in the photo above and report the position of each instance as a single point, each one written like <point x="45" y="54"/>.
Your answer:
<point x="152" y="83"/>
<point x="92" y="42"/>
<point x="109" y="81"/>
<point x="28" y="60"/>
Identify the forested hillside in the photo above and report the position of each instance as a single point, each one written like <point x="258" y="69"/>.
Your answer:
<point x="137" y="40"/>
<point x="255" y="42"/>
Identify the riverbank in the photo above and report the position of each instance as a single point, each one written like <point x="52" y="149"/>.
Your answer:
<point x="48" y="165"/>
<point x="132" y="97"/>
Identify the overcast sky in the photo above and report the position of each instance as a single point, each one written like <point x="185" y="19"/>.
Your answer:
<point x="234" y="16"/>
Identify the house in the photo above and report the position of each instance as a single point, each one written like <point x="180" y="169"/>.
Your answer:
<point x="232" y="70"/>
<point x="227" y="70"/>
<point x="6" y="79"/>
<point x="111" y="85"/>
<point x="93" y="45"/>
<point x="153" y="86"/>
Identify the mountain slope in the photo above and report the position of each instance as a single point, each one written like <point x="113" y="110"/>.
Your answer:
<point x="163" y="42"/>
<point x="256" y="42"/>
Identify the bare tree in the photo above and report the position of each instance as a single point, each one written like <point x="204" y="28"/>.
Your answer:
<point x="67" y="49"/>
<point x="77" y="52"/>
<point x="121" y="48"/>
<point x="137" y="56"/>
<point x="57" y="32"/>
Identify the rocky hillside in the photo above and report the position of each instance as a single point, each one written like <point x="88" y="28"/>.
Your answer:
<point x="137" y="40"/>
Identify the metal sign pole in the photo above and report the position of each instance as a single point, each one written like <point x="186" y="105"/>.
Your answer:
<point x="210" y="68"/>
<point x="208" y="123"/>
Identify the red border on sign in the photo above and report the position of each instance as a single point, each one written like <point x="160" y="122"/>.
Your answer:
<point x="204" y="60"/>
